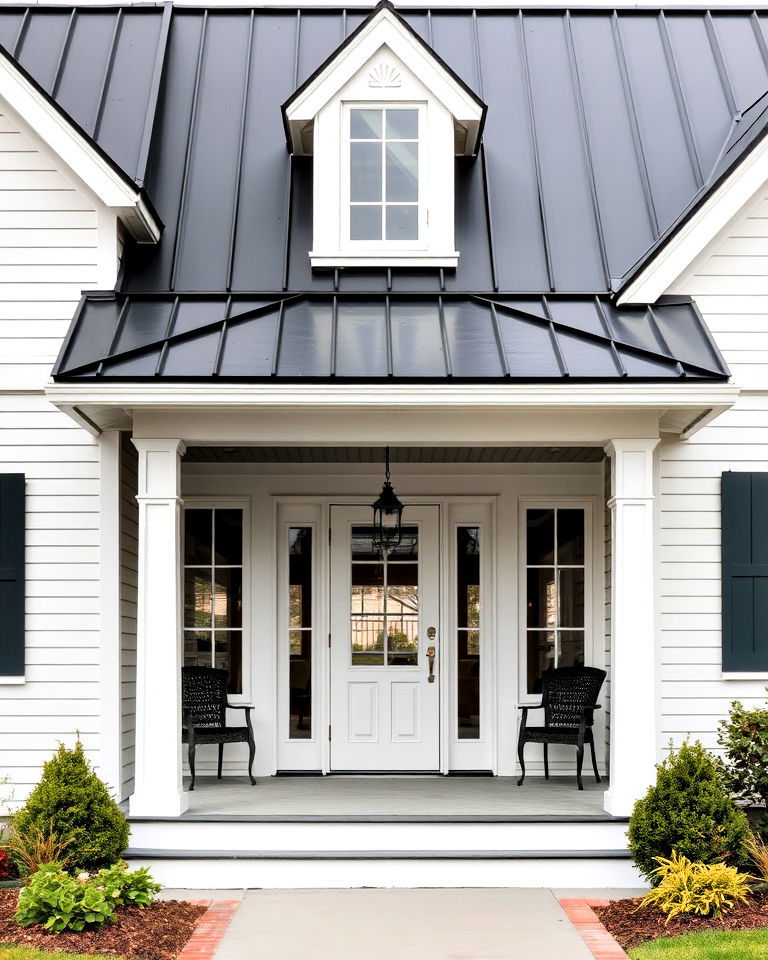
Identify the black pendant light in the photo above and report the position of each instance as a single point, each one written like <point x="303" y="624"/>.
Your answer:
<point x="387" y="516"/>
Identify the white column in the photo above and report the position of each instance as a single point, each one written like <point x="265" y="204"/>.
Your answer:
<point x="110" y="766"/>
<point x="158" y="635"/>
<point x="633" y="648"/>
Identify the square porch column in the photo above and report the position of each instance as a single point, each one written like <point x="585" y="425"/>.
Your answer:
<point x="158" y="791"/>
<point x="633" y="647"/>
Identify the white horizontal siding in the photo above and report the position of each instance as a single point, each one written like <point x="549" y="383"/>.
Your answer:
<point x="48" y="253"/>
<point x="731" y="289"/>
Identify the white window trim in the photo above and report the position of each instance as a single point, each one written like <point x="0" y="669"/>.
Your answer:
<point x="386" y="247"/>
<point x="247" y="631"/>
<point x="591" y="657"/>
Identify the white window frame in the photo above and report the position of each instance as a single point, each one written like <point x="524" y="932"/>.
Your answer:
<point x="590" y="565"/>
<point x="227" y="503"/>
<point x="383" y="245"/>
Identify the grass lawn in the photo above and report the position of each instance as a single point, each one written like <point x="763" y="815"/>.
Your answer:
<point x="711" y="945"/>
<point x="8" y="952"/>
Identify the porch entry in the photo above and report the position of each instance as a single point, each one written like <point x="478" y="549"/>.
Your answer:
<point x="385" y="639"/>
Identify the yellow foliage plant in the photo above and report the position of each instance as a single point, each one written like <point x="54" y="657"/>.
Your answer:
<point x="705" y="889"/>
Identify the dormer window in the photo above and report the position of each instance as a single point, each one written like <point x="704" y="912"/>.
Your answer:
<point x="384" y="189"/>
<point x="384" y="119"/>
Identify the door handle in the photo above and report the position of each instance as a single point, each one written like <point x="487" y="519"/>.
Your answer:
<point x="431" y="659"/>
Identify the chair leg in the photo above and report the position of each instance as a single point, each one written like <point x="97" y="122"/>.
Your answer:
<point x="546" y="761"/>
<point x="521" y="758"/>
<point x="579" y="763"/>
<point x="594" y="761"/>
<point x="191" y="755"/>
<point x="221" y="759"/>
<point x="251" y="755"/>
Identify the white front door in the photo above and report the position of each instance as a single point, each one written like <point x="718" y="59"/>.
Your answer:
<point x="385" y="644"/>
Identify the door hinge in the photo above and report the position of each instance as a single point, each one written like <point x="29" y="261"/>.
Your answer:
<point x="329" y="639"/>
<point x="329" y="731"/>
<point x="329" y="536"/>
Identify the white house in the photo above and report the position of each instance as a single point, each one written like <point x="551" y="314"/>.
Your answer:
<point x="246" y="254"/>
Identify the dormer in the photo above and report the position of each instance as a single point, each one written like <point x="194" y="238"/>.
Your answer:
<point x="384" y="119"/>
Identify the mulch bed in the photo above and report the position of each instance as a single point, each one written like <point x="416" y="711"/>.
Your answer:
<point x="631" y="926"/>
<point x="157" y="932"/>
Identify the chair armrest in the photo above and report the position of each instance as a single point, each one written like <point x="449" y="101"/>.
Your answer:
<point x="239" y="706"/>
<point x="530" y="706"/>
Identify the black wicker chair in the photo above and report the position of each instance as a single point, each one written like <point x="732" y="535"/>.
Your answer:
<point x="569" y="699"/>
<point x="204" y="716"/>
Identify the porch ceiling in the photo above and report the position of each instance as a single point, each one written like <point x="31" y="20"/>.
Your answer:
<point x="243" y="454"/>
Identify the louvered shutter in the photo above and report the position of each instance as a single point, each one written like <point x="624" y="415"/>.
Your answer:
<point x="11" y="574"/>
<point x="744" y="500"/>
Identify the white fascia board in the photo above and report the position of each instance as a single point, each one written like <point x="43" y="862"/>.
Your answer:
<point x="720" y="396"/>
<point x="383" y="30"/>
<point x="737" y="191"/>
<point x="79" y="156"/>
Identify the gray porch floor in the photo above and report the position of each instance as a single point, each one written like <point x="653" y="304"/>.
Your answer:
<point x="465" y="797"/>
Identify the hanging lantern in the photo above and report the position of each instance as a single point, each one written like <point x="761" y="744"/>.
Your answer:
<point x="387" y="516"/>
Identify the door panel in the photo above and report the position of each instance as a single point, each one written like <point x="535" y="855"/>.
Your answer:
<point x="384" y="709"/>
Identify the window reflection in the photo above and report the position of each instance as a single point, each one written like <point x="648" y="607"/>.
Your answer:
<point x="555" y="591"/>
<point x="384" y="604"/>
<point x="300" y="632"/>
<point x="468" y="638"/>
<point x="213" y="591"/>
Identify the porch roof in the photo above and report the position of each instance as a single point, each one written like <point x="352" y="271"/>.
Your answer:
<point x="405" y="337"/>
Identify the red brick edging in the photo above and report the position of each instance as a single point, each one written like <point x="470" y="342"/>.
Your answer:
<point x="210" y="930"/>
<point x="592" y="932"/>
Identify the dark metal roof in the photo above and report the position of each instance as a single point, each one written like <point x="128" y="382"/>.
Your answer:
<point x="349" y="337"/>
<point x="602" y="129"/>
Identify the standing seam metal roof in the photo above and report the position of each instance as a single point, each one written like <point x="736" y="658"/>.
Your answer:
<point x="602" y="129"/>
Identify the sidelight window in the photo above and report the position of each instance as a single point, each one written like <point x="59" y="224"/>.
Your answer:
<point x="300" y="631"/>
<point x="468" y="641"/>
<point x="555" y="575"/>
<point x="213" y="591"/>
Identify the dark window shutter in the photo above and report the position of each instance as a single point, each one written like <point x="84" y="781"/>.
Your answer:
<point x="745" y="571"/>
<point x="11" y="574"/>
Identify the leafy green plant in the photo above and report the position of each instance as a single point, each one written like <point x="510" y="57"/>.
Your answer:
<point x="744" y="739"/>
<point x="61" y="902"/>
<point x="37" y="846"/>
<point x="75" y="805"/>
<point x="704" y="889"/>
<point x="127" y="888"/>
<point x="687" y="810"/>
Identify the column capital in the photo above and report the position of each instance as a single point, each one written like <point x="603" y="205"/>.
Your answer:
<point x="631" y="468"/>
<point x="159" y="468"/>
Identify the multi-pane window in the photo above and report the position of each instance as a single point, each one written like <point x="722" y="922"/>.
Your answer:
<point x="555" y="590"/>
<point x="213" y="591"/>
<point x="384" y="174"/>
<point x="468" y="645"/>
<point x="385" y="601"/>
<point x="300" y="632"/>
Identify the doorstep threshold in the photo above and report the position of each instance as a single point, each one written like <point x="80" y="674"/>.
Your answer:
<point x="383" y="818"/>
<point x="140" y="853"/>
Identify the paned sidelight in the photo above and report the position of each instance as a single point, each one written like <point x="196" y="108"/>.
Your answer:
<point x="300" y="607"/>
<point x="384" y="174"/>
<point x="468" y="638"/>
<point x="555" y="578"/>
<point x="745" y="572"/>
<point x="213" y="591"/>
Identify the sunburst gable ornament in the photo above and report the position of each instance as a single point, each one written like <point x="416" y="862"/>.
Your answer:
<point x="384" y="75"/>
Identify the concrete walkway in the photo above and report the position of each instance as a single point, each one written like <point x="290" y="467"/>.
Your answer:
<point x="448" y="924"/>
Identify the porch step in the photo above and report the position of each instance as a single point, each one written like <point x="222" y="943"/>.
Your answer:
<point x="234" y="853"/>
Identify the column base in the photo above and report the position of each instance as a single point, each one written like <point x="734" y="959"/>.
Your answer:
<point x="619" y="803"/>
<point x="154" y="803"/>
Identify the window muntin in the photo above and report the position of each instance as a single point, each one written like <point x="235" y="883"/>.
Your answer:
<point x="384" y="171"/>
<point x="384" y="601"/>
<point x="555" y="585"/>
<point x="300" y="607"/>
<point x="468" y="643"/>
<point x="213" y="591"/>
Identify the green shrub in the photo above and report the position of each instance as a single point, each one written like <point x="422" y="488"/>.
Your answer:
<point x="687" y="810"/>
<point x="73" y="803"/>
<point x="60" y="901"/>
<point x="705" y="889"/>
<point x="744" y="739"/>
